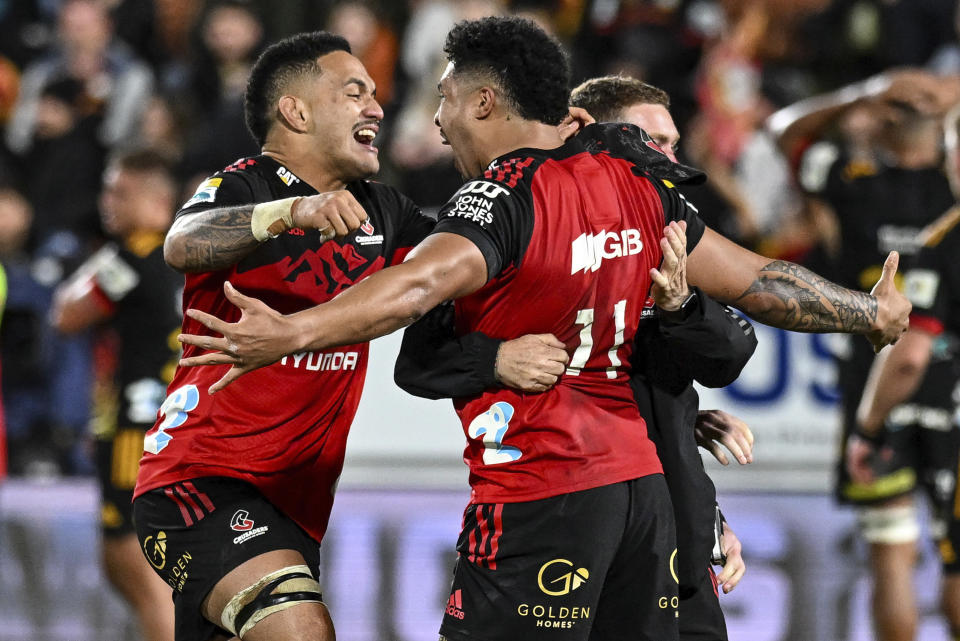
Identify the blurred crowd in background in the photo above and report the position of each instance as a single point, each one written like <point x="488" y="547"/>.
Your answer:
<point x="81" y="79"/>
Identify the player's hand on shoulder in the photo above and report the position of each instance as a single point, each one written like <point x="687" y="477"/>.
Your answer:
<point x="714" y="428"/>
<point x="735" y="567"/>
<point x="577" y="118"/>
<point x="892" y="316"/>
<point x="531" y="363"/>
<point x="670" y="289"/>
<point x="261" y="336"/>
<point x="334" y="213"/>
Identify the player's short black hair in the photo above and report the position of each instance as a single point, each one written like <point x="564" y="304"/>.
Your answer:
<point x="529" y="66"/>
<point x="280" y="63"/>
<point x="606" y="97"/>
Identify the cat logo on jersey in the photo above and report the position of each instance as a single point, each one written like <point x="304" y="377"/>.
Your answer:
<point x="206" y="192"/>
<point x="287" y="176"/>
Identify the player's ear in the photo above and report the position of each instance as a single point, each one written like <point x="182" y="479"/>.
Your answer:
<point x="293" y="113"/>
<point x="486" y="100"/>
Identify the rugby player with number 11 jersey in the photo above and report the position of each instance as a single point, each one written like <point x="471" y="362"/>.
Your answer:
<point x="561" y="240"/>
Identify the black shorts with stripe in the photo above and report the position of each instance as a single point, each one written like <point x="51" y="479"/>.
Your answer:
<point x="194" y="532"/>
<point x="596" y="564"/>
<point x="118" y="459"/>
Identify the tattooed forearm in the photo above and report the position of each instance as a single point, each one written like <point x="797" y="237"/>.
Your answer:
<point x="789" y="296"/>
<point x="211" y="240"/>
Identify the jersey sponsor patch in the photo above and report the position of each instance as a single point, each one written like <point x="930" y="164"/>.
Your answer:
<point x="589" y="250"/>
<point x="475" y="201"/>
<point x="367" y="237"/>
<point x="206" y="192"/>
<point x="920" y="287"/>
<point x="287" y="176"/>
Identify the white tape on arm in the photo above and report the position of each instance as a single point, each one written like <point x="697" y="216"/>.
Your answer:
<point x="271" y="219"/>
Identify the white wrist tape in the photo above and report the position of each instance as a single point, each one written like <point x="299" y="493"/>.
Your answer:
<point x="271" y="219"/>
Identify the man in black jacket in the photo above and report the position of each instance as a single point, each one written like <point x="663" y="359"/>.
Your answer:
<point x="699" y="339"/>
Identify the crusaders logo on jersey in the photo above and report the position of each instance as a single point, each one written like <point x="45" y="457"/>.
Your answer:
<point x="240" y="522"/>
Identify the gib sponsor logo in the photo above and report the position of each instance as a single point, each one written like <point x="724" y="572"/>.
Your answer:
<point x="455" y="605"/>
<point x="240" y="523"/>
<point x="557" y="578"/>
<point x="590" y="250"/>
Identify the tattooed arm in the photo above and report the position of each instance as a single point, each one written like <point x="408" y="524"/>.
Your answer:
<point x="786" y="295"/>
<point x="218" y="238"/>
<point x="210" y="240"/>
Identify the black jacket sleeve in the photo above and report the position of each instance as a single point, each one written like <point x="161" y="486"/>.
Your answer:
<point x="434" y="363"/>
<point x="712" y="346"/>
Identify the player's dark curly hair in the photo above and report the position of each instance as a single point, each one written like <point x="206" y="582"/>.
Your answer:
<point x="529" y="66"/>
<point x="280" y="63"/>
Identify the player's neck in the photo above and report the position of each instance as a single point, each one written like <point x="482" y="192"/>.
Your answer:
<point x="516" y="133"/>
<point x="305" y="166"/>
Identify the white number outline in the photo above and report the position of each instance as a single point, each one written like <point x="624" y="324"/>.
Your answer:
<point x="584" y="350"/>
<point x="492" y="426"/>
<point x="174" y="410"/>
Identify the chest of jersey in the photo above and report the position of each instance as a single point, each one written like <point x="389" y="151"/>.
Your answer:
<point x="585" y="274"/>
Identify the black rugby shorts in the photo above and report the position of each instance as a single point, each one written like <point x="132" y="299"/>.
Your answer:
<point x="195" y="532"/>
<point x="590" y="565"/>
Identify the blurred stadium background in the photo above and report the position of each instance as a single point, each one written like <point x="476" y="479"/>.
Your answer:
<point x="174" y="82"/>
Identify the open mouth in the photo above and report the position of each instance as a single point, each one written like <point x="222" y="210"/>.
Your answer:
<point x="365" y="135"/>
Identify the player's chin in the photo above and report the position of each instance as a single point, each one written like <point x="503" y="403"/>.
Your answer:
<point x="365" y="166"/>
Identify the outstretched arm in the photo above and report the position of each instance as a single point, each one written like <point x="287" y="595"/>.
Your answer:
<point x="442" y="267"/>
<point x="788" y="296"/>
<point x="219" y="238"/>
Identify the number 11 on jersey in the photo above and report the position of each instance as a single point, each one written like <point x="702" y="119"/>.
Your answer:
<point x="586" y="348"/>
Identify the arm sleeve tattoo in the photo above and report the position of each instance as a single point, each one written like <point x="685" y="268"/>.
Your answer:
<point x="215" y="239"/>
<point x="789" y="296"/>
